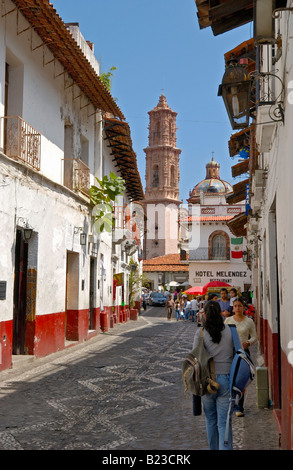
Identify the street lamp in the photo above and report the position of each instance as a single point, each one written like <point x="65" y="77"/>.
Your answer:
<point x="27" y="233"/>
<point x="235" y="90"/>
<point x="245" y="256"/>
<point x="82" y="236"/>
<point x="26" y="230"/>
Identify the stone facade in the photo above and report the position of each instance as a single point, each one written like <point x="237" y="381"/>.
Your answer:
<point x="162" y="182"/>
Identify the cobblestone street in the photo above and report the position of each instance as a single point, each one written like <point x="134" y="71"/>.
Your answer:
<point x="120" y="391"/>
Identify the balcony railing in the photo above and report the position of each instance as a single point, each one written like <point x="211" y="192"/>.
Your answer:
<point x="205" y="254"/>
<point x="76" y="175"/>
<point x="125" y="226"/>
<point x="22" y="141"/>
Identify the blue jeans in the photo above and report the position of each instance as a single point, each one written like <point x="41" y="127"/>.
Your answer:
<point x="187" y="314"/>
<point x="216" y="408"/>
<point x="193" y="315"/>
<point x="177" y="314"/>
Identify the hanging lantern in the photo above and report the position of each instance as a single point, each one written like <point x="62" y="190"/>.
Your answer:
<point x="235" y="91"/>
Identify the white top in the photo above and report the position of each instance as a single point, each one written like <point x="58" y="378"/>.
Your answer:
<point x="245" y="329"/>
<point x="194" y="304"/>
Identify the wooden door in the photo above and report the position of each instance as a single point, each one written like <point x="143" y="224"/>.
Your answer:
<point x="20" y="294"/>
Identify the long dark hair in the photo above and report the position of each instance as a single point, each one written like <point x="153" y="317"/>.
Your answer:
<point x="213" y="322"/>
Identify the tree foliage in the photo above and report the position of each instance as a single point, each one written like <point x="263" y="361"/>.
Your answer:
<point x="102" y="197"/>
<point x="107" y="78"/>
<point x="136" y="281"/>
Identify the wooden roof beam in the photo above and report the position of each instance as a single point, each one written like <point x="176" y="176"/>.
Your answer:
<point x="230" y="8"/>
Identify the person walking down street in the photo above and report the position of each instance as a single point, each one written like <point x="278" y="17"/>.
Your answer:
<point x="247" y="333"/>
<point x="144" y="300"/>
<point x="219" y="344"/>
<point x="224" y="303"/>
<point x="169" y="306"/>
<point x="194" y="305"/>
<point x="177" y="309"/>
<point x="187" y="310"/>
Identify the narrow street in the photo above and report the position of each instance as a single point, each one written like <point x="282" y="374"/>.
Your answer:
<point x="120" y="391"/>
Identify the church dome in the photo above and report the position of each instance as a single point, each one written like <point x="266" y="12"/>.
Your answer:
<point x="212" y="184"/>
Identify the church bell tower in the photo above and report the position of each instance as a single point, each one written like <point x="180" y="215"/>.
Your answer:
<point x="162" y="182"/>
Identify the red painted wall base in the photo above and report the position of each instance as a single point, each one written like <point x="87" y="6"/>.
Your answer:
<point x="280" y="373"/>
<point x="6" y="329"/>
<point x="47" y="334"/>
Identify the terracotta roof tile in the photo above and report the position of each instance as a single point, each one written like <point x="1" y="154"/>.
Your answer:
<point x="171" y="263"/>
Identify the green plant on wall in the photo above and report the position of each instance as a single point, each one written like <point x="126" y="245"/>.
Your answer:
<point x="136" y="281"/>
<point x="107" y="78"/>
<point x="103" y="195"/>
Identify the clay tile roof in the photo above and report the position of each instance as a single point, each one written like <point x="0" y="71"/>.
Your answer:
<point x="124" y="157"/>
<point x="55" y="35"/>
<point x="170" y="263"/>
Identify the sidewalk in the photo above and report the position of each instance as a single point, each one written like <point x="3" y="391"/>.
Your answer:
<point x="258" y="428"/>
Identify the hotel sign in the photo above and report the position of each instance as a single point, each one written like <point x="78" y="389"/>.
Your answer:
<point x="224" y="276"/>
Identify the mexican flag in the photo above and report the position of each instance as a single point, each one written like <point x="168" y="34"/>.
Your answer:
<point x="236" y="247"/>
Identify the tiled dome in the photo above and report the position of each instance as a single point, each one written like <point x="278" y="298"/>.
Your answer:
<point x="212" y="184"/>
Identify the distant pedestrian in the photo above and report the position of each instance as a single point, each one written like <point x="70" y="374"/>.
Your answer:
<point x="224" y="303"/>
<point x="194" y="305"/>
<point x="177" y="309"/>
<point x="169" y="306"/>
<point x="144" y="300"/>
<point x="219" y="344"/>
<point x="187" y="310"/>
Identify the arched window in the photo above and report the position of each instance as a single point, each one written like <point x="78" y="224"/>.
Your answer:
<point x="155" y="181"/>
<point x="219" y="246"/>
<point x="172" y="176"/>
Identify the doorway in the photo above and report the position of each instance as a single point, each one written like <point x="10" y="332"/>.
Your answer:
<point x="20" y="294"/>
<point x="71" y="296"/>
<point x="92" y="293"/>
<point x="273" y="294"/>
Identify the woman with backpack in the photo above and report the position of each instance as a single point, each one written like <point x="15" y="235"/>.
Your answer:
<point x="219" y="344"/>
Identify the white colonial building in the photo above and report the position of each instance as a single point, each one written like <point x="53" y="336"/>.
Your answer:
<point x="215" y="254"/>
<point x="60" y="128"/>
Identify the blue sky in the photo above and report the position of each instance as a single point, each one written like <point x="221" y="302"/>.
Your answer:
<point x="157" y="45"/>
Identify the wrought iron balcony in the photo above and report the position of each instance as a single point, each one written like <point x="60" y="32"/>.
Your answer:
<point x="22" y="141"/>
<point x="125" y="226"/>
<point x="205" y="254"/>
<point x="76" y="175"/>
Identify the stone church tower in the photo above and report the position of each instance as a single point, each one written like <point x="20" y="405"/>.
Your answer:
<point x="162" y="182"/>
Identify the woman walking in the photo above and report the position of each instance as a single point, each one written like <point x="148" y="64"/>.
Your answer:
<point x="247" y="333"/>
<point x="219" y="344"/>
<point x="169" y="306"/>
